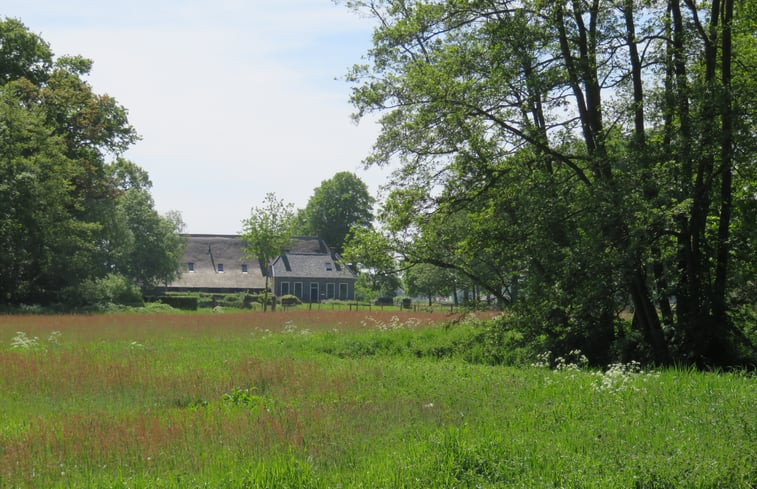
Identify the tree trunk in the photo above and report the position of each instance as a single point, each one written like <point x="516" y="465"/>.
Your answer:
<point x="726" y="205"/>
<point x="646" y="320"/>
<point x="265" y="295"/>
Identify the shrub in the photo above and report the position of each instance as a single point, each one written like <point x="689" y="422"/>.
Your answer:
<point x="500" y="342"/>
<point x="289" y="300"/>
<point x="249" y="300"/>
<point x="154" y="307"/>
<point x="232" y="300"/>
<point x="111" y="289"/>
<point x="186" y="303"/>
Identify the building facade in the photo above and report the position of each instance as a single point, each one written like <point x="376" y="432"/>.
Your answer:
<point x="311" y="271"/>
<point x="308" y="269"/>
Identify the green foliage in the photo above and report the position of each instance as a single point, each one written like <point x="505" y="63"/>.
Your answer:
<point x="269" y="228"/>
<point x="547" y="162"/>
<point x="337" y="205"/>
<point x="67" y="215"/>
<point x="371" y="253"/>
<point x="289" y="300"/>
<point x="150" y="247"/>
<point x="22" y="54"/>
<point x="204" y="300"/>
<point x="428" y="280"/>
<point x="473" y="341"/>
<point x="186" y="303"/>
<point x="111" y="289"/>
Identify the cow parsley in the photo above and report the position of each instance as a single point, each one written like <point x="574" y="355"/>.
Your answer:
<point x="23" y="342"/>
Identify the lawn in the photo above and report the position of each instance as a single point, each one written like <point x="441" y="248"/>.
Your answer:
<point x="346" y="399"/>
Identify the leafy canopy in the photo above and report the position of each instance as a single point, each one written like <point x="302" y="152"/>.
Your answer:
<point x="337" y="205"/>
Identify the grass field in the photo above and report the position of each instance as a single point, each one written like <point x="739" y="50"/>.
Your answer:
<point x="346" y="399"/>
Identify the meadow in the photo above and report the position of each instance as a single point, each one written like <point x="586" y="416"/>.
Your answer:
<point x="319" y="399"/>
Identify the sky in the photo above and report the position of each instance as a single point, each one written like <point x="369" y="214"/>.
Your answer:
<point x="232" y="98"/>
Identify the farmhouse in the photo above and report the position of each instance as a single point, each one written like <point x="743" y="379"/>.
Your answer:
<point x="216" y="263"/>
<point x="308" y="269"/>
<point x="311" y="271"/>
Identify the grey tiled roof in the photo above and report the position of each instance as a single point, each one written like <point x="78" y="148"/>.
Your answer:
<point x="310" y="258"/>
<point x="307" y="245"/>
<point x="206" y="252"/>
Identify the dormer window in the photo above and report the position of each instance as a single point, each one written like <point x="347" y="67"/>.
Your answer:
<point x="244" y="268"/>
<point x="191" y="267"/>
<point x="220" y="268"/>
<point x="329" y="266"/>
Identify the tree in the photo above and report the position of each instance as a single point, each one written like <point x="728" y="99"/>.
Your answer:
<point x="35" y="220"/>
<point x="67" y="218"/>
<point x="371" y="253"/>
<point x="597" y="138"/>
<point x="337" y="205"/>
<point x="428" y="280"/>
<point x="268" y="229"/>
<point x="148" y="247"/>
<point x="22" y="54"/>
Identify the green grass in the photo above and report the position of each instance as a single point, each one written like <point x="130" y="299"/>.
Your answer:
<point x="309" y="400"/>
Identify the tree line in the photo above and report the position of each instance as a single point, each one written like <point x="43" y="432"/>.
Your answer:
<point x="590" y="164"/>
<point x="587" y="165"/>
<point x="78" y="224"/>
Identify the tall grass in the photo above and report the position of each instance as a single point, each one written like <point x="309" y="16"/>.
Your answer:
<point x="301" y="399"/>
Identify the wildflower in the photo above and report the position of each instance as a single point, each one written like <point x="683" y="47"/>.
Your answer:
<point x="55" y="337"/>
<point x="620" y="376"/>
<point x="23" y="342"/>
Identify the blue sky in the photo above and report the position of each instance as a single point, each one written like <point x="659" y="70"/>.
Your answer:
<point x="232" y="99"/>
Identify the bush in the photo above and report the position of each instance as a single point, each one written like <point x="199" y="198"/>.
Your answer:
<point x="186" y="303"/>
<point x="111" y="289"/>
<point x="498" y="343"/>
<point x="155" y="307"/>
<point x="205" y="300"/>
<point x="232" y="300"/>
<point x="289" y="300"/>
<point x="249" y="300"/>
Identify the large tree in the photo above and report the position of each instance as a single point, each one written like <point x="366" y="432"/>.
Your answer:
<point x="65" y="218"/>
<point x="604" y="141"/>
<point x="147" y="247"/>
<point x="337" y="205"/>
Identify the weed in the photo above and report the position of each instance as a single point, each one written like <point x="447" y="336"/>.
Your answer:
<point x="248" y="399"/>
<point x="24" y="342"/>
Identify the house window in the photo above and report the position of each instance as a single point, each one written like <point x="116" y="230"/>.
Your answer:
<point x="298" y="290"/>
<point x="244" y="268"/>
<point x="284" y="288"/>
<point x="220" y="268"/>
<point x="343" y="291"/>
<point x="330" y="291"/>
<point x="191" y="266"/>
